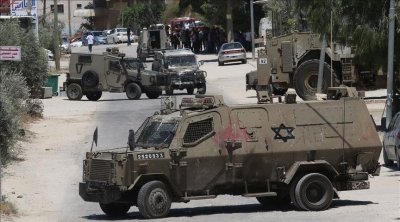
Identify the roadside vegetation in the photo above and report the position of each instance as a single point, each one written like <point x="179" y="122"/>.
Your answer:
<point x="20" y="84"/>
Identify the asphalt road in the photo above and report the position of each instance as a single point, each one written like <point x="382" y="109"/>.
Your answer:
<point x="61" y="139"/>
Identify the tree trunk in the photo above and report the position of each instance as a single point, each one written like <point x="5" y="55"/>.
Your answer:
<point x="229" y="22"/>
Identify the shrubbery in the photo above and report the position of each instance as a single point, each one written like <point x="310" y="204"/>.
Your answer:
<point x="19" y="80"/>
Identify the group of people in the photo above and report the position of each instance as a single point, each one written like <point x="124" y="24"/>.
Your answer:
<point x="205" y="40"/>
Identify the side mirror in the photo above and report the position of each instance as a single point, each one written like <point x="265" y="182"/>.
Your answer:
<point x="201" y="63"/>
<point x="131" y="140"/>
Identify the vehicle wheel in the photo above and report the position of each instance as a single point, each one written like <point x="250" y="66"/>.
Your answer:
<point x="279" y="91"/>
<point x="153" y="94"/>
<point x="397" y="158"/>
<point x="90" y="79"/>
<point x="74" y="91"/>
<point x="292" y="190"/>
<point x="385" y="157"/>
<point x="314" y="192"/>
<point x="305" y="79"/>
<point x="115" y="209"/>
<point x="169" y="91"/>
<point x="190" y="90"/>
<point x="153" y="200"/>
<point x="202" y="90"/>
<point x="133" y="91"/>
<point x="94" y="96"/>
<point x="220" y="63"/>
<point x="244" y="61"/>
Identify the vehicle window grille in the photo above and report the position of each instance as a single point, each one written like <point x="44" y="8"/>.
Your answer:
<point x="197" y="130"/>
<point x="85" y="59"/>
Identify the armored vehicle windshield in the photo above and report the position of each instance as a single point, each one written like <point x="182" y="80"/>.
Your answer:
<point x="133" y="64"/>
<point x="157" y="131"/>
<point x="186" y="60"/>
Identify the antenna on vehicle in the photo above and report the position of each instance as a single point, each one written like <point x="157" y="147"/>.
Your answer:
<point x="95" y="136"/>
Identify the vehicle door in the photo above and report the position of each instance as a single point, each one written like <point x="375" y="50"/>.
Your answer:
<point x="110" y="37"/>
<point x="391" y="135"/>
<point x="198" y="164"/>
<point x="115" y="73"/>
<point x="246" y="146"/>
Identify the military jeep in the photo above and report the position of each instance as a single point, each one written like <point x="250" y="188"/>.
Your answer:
<point x="91" y="74"/>
<point x="184" y="69"/>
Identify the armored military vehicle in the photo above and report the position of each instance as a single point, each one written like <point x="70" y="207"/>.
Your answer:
<point x="293" y="62"/>
<point x="151" y="40"/>
<point x="299" y="153"/>
<point x="90" y="74"/>
<point x="183" y="68"/>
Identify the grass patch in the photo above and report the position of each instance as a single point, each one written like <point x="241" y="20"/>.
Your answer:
<point x="7" y="208"/>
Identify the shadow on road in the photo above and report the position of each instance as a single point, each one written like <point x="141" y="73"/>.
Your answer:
<point x="232" y="209"/>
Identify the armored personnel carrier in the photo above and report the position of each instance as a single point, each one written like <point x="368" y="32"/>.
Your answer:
<point x="288" y="153"/>
<point x="91" y="74"/>
<point x="293" y="62"/>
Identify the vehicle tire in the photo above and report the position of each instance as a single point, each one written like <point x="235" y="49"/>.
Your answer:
<point x="153" y="200"/>
<point x="202" y="89"/>
<point x="305" y="79"/>
<point x="314" y="192"/>
<point x="169" y="91"/>
<point x="133" y="91"/>
<point x="220" y="63"/>
<point x="190" y="90"/>
<point x="244" y="61"/>
<point x="115" y="209"/>
<point x="279" y="91"/>
<point x="74" y="91"/>
<point x="292" y="190"/>
<point x="94" y="96"/>
<point x="397" y="157"/>
<point x="385" y="157"/>
<point x="90" y="79"/>
<point x="153" y="94"/>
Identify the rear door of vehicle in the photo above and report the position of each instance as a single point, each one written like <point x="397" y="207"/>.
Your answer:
<point x="391" y="136"/>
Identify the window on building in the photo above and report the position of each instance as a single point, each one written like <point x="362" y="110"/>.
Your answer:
<point x="60" y="8"/>
<point x="78" y="6"/>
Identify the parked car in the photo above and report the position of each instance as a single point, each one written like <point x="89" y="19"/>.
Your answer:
<point x="391" y="142"/>
<point x="65" y="46"/>
<point x="99" y="38"/>
<point x="117" y="35"/>
<point x="77" y="43"/>
<point x="231" y="52"/>
<point x="50" y="55"/>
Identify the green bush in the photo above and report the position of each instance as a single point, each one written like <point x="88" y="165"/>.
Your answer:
<point x="34" y="59"/>
<point x="13" y="94"/>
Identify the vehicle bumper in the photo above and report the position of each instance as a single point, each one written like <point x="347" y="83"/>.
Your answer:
<point x="232" y="57"/>
<point x="99" y="192"/>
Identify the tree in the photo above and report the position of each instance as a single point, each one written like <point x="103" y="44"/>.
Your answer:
<point x="214" y="12"/>
<point x="362" y="24"/>
<point x="142" y="15"/>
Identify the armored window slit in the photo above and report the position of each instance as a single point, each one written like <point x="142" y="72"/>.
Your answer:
<point x="197" y="130"/>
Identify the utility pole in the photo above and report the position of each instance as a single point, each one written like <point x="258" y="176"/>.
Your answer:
<point x="390" y="79"/>
<point x="56" y="37"/>
<point x="69" y="19"/>
<point x="252" y="30"/>
<point x="229" y="23"/>
<point x="44" y="12"/>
